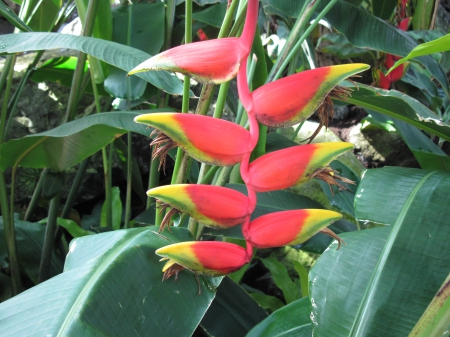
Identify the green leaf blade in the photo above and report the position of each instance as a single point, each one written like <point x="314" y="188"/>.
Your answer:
<point x="103" y="293"/>
<point x="123" y="57"/>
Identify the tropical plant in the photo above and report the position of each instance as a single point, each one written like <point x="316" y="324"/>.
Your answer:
<point x="224" y="206"/>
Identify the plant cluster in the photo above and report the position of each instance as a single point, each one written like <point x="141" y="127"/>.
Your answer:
<point x="224" y="143"/>
<point x="232" y="186"/>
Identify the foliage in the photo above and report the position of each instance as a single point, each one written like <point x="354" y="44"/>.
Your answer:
<point x="394" y="261"/>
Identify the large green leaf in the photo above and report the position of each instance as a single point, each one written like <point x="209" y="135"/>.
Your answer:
<point x="111" y="286"/>
<point x="123" y="57"/>
<point x="68" y="144"/>
<point x="383" y="280"/>
<point x="384" y="8"/>
<point x="30" y="240"/>
<point x="233" y="312"/>
<point x="212" y="15"/>
<point x="364" y="30"/>
<point x="290" y="321"/>
<point x="398" y="105"/>
<point x="133" y="28"/>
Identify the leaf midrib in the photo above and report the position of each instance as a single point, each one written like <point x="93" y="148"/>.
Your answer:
<point x="89" y="285"/>
<point x="376" y="274"/>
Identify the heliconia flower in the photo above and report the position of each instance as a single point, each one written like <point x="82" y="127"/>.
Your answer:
<point x="212" y="61"/>
<point x="395" y="74"/>
<point x="213" y="206"/>
<point x="211" y="258"/>
<point x="209" y="140"/>
<point x="292" y="99"/>
<point x="295" y="165"/>
<point x="288" y="227"/>
<point x="200" y="60"/>
<point x="381" y="80"/>
<point x="201" y="35"/>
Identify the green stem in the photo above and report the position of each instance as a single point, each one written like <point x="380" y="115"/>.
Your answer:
<point x="299" y="26"/>
<point x="129" y="182"/>
<point x="10" y="60"/>
<point x="209" y="176"/>
<point x="8" y="210"/>
<point x="36" y="194"/>
<point x="297" y="129"/>
<point x="79" y="69"/>
<point x="299" y="42"/>
<point x="170" y="18"/>
<point x="5" y="102"/>
<point x="74" y="188"/>
<point x="108" y="195"/>
<point x="49" y="239"/>
<point x="11" y="244"/>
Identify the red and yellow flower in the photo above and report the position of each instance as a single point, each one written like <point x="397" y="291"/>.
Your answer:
<point x="209" y="140"/>
<point x="292" y="166"/>
<point x="211" y="258"/>
<point x="287" y="227"/>
<point x="213" y="206"/>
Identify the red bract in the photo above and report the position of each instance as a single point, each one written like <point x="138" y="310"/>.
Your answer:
<point x="212" y="61"/>
<point x="287" y="227"/>
<point x="293" y="99"/>
<point x="209" y="140"/>
<point x="289" y="167"/>
<point x="212" y="258"/>
<point x="200" y="60"/>
<point x="213" y="206"/>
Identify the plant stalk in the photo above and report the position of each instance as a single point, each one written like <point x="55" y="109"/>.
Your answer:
<point x="299" y="42"/>
<point x="79" y="69"/>
<point x="49" y="239"/>
<point x="36" y="194"/>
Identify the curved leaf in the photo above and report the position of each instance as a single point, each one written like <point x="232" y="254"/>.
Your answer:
<point x="123" y="57"/>
<point x="111" y="286"/>
<point x="396" y="104"/>
<point x="68" y="144"/>
<point x="383" y="280"/>
<point x="290" y="321"/>
<point x="364" y="30"/>
<point x="437" y="46"/>
<point x="30" y="241"/>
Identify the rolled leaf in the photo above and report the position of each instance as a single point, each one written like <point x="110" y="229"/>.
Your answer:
<point x="213" y="206"/>
<point x="292" y="99"/>
<point x="292" y="166"/>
